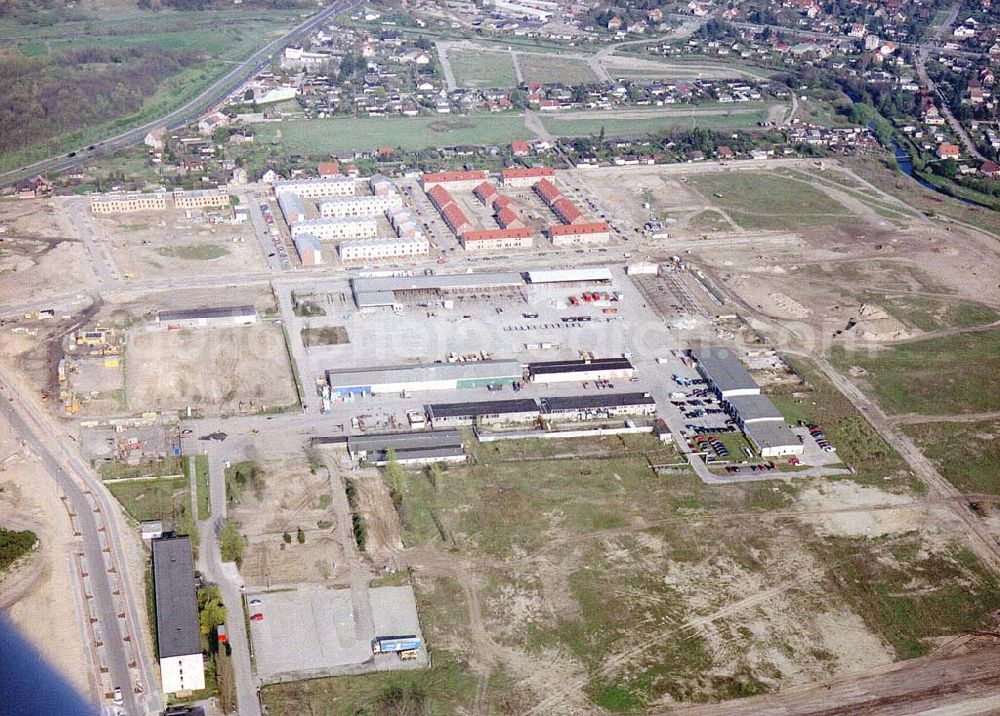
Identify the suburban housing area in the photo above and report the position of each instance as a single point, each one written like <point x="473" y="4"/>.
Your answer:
<point x="526" y="357"/>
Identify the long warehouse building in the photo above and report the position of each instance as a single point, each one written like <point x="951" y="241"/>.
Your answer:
<point x="408" y="448"/>
<point x="424" y="376"/>
<point x="724" y="372"/>
<point x="563" y="371"/>
<point x="178" y="633"/>
<point x="487" y="412"/>
<point x="399" y="290"/>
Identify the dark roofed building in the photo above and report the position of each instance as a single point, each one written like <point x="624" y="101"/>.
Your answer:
<point x="208" y="317"/>
<point x="409" y="448"/>
<point x="178" y="632"/>
<point x="491" y="411"/>
<point x="600" y="405"/>
<point x="581" y="370"/>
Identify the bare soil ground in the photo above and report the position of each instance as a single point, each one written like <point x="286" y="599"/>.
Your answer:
<point x="29" y="500"/>
<point x="213" y="369"/>
<point x="292" y="498"/>
<point x="36" y="247"/>
<point x="374" y="503"/>
<point x="162" y="243"/>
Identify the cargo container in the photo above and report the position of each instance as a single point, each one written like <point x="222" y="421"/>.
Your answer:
<point x="393" y="644"/>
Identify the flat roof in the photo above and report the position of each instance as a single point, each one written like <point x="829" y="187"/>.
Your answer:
<point x="755" y="407"/>
<point x="423" y="372"/>
<point x="723" y="368"/>
<point x="771" y="434"/>
<point x="306" y="242"/>
<point x="178" y="632"/>
<point x="418" y="440"/>
<point x="380" y="291"/>
<point x="565" y="366"/>
<point x="594" y="401"/>
<point x="214" y="312"/>
<point x="481" y="407"/>
<point x="564" y="275"/>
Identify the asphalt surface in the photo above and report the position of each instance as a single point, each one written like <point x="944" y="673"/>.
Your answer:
<point x="115" y="653"/>
<point x="216" y="92"/>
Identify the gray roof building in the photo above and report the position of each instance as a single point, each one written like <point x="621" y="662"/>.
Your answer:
<point x="771" y="436"/>
<point x="579" y="366"/>
<point x="754" y="408"/>
<point x="475" y="409"/>
<point x="386" y="291"/>
<point x="178" y="632"/>
<point x="215" y="312"/>
<point x="597" y="401"/>
<point x="409" y="447"/>
<point x="724" y="371"/>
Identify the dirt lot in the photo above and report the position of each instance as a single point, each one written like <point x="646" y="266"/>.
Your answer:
<point x="164" y="243"/>
<point x="292" y="497"/>
<point x="37" y="246"/>
<point x="212" y="369"/>
<point x="29" y="500"/>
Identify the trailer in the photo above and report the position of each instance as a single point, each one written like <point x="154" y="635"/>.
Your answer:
<point x="396" y="644"/>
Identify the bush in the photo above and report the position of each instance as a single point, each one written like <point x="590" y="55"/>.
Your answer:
<point x="360" y="532"/>
<point x="231" y="543"/>
<point x="14" y="545"/>
<point x="301" y="536"/>
<point x="287" y="537"/>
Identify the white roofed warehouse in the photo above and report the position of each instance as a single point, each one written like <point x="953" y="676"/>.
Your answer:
<point x="423" y="376"/>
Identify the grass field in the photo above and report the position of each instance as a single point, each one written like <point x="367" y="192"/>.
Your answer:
<point x="872" y="459"/>
<point x="114" y="470"/>
<point x="709" y="221"/>
<point x="475" y="68"/>
<point x="949" y="375"/>
<point x="160" y="499"/>
<point x="217" y="38"/>
<point x="552" y="69"/>
<point x="967" y="454"/>
<point x="194" y="252"/>
<point x="319" y="137"/>
<point x="929" y="314"/>
<point x="762" y="200"/>
<point x="639" y="123"/>
<point x="202" y="487"/>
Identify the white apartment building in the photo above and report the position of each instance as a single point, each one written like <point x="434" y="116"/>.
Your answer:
<point x="360" y="205"/>
<point x="315" y="188"/>
<point x="378" y="249"/>
<point x="348" y="227"/>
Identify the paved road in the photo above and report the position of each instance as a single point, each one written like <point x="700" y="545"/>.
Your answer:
<point x="926" y="81"/>
<point x="216" y="92"/>
<point x="229" y="581"/>
<point x="82" y="489"/>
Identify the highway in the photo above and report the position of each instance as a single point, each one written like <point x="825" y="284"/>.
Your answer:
<point x="215" y="93"/>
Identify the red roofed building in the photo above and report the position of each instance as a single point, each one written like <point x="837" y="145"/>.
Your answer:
<point x="948" y="151"/>
<point x="526" y="176"/>
<point x="502" y="201"/>
<point x="520" y="149"/>
<point x="456" y="219"/>
<point x="439" y="197"/>
<point x="566" y="211"/>
<point x="597" y="232"/>
<point x="508" y="217"/>
<point x="497" y="239"/>
<point x="990" y="169"/>
<point x="454" y="180"/>
<point x="486" y="193"/>
<point x="329" y="169"/>
<point x="547" y="191"/>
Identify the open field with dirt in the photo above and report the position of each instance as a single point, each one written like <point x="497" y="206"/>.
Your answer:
<point x="966" y="453"/>
<point x="640" y="123"/>
<point x="165" y="243"/>
<point x="285" y="497"/>
<point x="515" y="562"/>
<point x="212" y="369"/>
<point x="947" y="375"/>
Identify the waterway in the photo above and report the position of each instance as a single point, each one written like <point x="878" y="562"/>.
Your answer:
<point x="906" y="166"/>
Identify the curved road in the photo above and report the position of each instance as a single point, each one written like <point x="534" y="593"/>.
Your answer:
<point x="217" y="91"/>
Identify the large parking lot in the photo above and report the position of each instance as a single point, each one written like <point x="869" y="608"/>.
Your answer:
<point x="313" y="631"/>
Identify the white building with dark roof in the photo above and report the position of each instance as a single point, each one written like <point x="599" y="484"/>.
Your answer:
<point x="178" y="632"/>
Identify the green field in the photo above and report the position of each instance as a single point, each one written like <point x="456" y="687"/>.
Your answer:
<point x="318" y="137"/>
<point x="553" y="69"/>
<point x="763" y="200"/>
<point x="474" y="68"/>
<point x="194" y="252"/>
<point x="159" y="499"/>
<point x="202" y="486"/>
<point x="215" y="38"/>
<point x="709" y="221"/>
<point x="114" y="470"/>
<point x="966" y="454"/>
<point x="930" y="314"/>
<point x="949" y="375"/>
<point x="640" y="123"/>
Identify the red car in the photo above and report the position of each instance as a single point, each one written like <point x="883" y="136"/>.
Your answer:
<point x="257" y="618"/>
